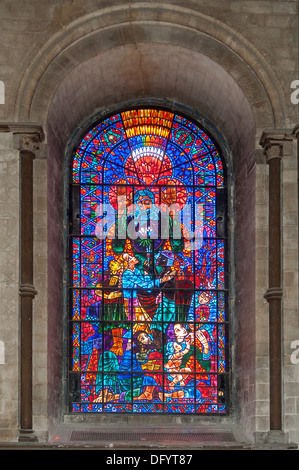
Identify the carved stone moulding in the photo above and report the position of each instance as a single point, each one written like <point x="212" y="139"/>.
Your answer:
<point x="26" y="136"/>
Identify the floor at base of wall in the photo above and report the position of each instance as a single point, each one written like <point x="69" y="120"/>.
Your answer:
<point x="150" y="439"/>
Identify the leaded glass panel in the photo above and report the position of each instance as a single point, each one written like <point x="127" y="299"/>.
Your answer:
<point x="148" y="287"/>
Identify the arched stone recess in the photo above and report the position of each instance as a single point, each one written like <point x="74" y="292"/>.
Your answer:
<point x="142" y="23"/>
<point x="183" y="60"/>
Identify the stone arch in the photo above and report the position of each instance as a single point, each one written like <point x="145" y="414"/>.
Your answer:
<point x="179" y="59"/>
<point x="137" y="24"/>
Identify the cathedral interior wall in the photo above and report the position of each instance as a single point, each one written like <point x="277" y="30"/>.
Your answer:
<point x="228" y="67"/>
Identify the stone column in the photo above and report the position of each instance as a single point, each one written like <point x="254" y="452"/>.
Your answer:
<point x="27" y="140"/>
<point x="273" y="152"/>
<point x="273" y="143"/>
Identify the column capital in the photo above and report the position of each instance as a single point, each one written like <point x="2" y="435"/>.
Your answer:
<point x="28" y="142"/>
<point x="27" y="137"/>
<point x="272" y="142"/>
<point x="273" y="150"/>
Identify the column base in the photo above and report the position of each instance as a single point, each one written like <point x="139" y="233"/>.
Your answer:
<point x="274" y="437"/>
<point x="27" y="435"/>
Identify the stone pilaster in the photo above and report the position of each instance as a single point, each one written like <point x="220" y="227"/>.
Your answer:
<point x="27" y="140"/>
<point x="274" y="152"/>
<point x="273" y="146"/>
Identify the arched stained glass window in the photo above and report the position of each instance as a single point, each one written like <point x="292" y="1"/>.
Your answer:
<point x="148" y="284"/>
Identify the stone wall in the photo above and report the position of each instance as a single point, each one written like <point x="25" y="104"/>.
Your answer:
<point x="229" y="63"/>
<point x="290" y="287"/>
<point x="9" y="287"/>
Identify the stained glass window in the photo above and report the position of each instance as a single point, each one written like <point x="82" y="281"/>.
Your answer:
<point x="148" y="287"/>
